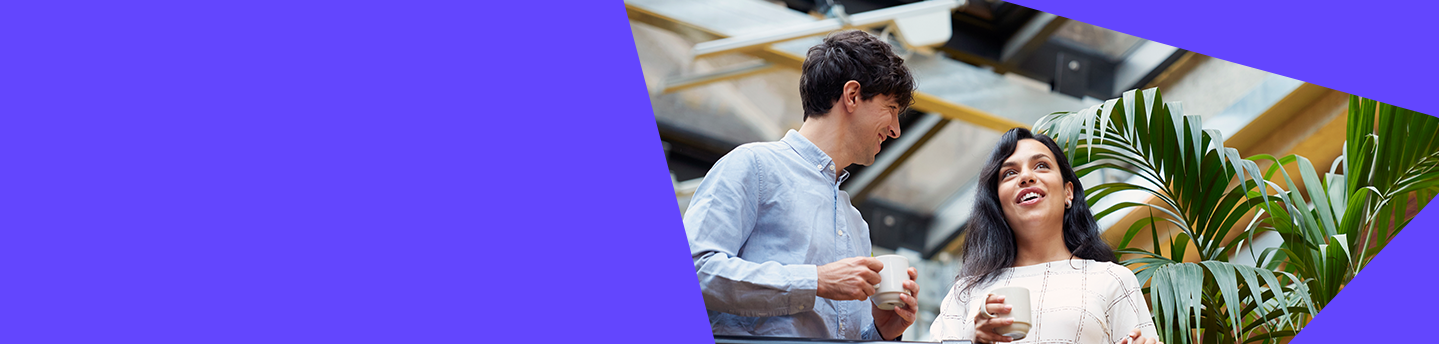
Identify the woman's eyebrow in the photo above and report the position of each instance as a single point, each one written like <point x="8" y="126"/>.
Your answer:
<point x="1012" y="162"/>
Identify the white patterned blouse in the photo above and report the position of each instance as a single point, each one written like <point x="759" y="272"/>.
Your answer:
<point x="1072" y="301"/>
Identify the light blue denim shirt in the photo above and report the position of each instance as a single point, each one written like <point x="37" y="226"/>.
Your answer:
<point x="764" y="217"/>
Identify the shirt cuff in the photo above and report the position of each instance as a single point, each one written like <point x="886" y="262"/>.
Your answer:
<point x="804" y="280"/>
<point x="880" y="336"/>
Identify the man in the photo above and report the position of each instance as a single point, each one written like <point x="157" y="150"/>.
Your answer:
<point x="777" y="247"/>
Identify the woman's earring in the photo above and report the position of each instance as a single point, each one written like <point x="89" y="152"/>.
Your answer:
<point x="1066" y="204"/>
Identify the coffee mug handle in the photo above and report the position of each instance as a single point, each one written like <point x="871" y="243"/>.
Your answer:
<point x="984" y="308"/>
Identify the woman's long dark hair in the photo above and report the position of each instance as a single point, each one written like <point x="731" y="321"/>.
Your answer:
<point x="989" y="242"/>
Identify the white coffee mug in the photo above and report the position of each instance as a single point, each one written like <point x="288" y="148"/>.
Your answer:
<point x="1018" y="298"/>
<point x="891" y="284"/>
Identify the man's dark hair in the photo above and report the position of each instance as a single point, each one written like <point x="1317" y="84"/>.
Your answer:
<point x="852" y="55"/>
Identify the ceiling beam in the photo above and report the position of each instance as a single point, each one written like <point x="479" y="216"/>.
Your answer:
<point x="924" y="102"/>
<point x="1145" y="63"/>
<point x="945" y="229"/>
<point x="731" y="73"/>
<point x="1029" y="38"/>
<point x="866" y="20"/>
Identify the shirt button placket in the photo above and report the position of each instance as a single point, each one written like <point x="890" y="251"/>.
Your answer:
<point x="842" y="248"/>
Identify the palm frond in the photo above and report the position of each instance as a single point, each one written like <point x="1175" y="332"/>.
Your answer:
<point x="1204" y="190"/>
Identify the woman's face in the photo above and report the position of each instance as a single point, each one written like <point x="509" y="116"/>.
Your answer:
<point x="1032" y="191"/>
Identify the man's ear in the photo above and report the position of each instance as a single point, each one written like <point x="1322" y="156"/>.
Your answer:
<point x="850" y="98"/>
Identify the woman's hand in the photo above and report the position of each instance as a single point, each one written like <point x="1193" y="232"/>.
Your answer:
<point x="984" y="326"/>
<point x="1133" y="338"/>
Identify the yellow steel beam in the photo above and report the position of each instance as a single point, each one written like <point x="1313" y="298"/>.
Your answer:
<point x="926" y="102"/>
<point x="717" y="76"/>
<point x="923" y="102"/>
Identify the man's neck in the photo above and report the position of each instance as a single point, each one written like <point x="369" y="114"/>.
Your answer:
<point x="827" y="133"/>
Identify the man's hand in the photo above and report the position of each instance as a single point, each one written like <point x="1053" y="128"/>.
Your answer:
<point x="892" y="323"/>
<point x="849" y="278"/>
<point x="984" y="326"/>
<point x="1133" y="338"/>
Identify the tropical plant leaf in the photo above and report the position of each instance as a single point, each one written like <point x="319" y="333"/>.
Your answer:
<point x="1203" y="191"/>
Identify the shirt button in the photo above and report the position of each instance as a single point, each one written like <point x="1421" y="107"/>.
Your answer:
<point x="819" y="166"/>
<point x="841" y="233"/>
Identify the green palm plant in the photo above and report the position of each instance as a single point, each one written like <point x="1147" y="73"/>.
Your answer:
<point x="1191" y="175"/>
<point x="1390" y="159"/>
<point x="1205" y="190"/>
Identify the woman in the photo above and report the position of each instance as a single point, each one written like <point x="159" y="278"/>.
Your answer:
<point x="1032" y="228"/>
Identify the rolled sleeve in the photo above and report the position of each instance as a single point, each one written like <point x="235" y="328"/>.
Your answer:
<point x="871" y="332"/>
<point x="732" y="285"/>
<point x="721" y="218"/>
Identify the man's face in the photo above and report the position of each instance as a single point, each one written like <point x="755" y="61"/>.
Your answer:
<point x="875" y="120"/>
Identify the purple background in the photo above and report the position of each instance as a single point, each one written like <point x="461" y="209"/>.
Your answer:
<point x="452" y="172"/>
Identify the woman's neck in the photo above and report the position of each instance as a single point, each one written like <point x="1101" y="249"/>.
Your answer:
<point x="1039" y="248"/>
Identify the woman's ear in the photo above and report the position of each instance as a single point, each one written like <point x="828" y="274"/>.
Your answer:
<point x="850" y="97"/>
<point x="1068" y="192"/>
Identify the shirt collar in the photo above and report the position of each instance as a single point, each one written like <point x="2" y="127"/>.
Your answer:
<point x="813" y="155"/>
